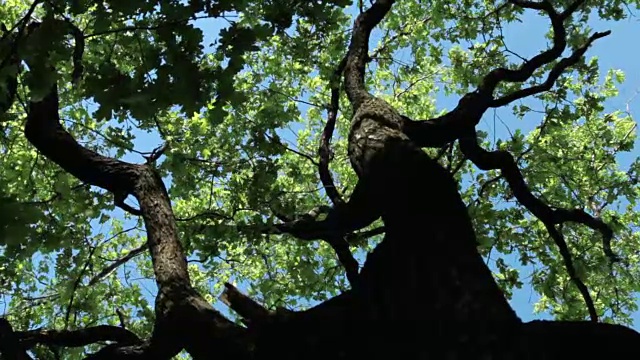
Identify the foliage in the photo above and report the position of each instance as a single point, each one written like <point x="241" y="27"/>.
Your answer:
<point x="242" y="118"/>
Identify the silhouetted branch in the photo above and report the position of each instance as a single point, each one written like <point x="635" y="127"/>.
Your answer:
<point x="325" y="141"/>
<point x="526" y="70"/>
<point x="44" y="131"/>
<point x="554" y="74"/>
<point x="107" y="270"/>
<point x="303" y="227"/>
<point x="341" y="247"/>
<point x="157" y="153"/>
<point x="77" y="338"/>
<point x="353" y="66"/>
<point x="467" y="114"/>
<point x="249" y="309"/>
<point x="461" y="121"/>
<point x="503" y="160"/>
<point x="359" y="236"/>
<point x="358" y="53"/>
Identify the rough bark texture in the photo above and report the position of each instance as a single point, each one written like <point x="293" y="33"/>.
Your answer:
<point x="424" y="292"/>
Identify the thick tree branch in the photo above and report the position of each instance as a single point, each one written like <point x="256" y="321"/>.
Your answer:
<point x="338" y="242"/>
<point x="355" y="216"/>
<point x="554" y="74"/>
<point x="306" y="227"/>
<point x="249" y="309"/>
<point x="355" y="237"/>
<point x="467" y="114"/>
<point x="184" y="320"/>
<point x="44" y="131"/>
<point x="345" y="217"/>
<point x="77" y="338"/>
<point x="360" y="211"/>
<point x="345" y="257"/>
<point x="358" y="53"/>
<point x="503" y="160"/>
<point x="461" y="121"/>
<point x="495" y="77"/>
<point x="253" y="314"/>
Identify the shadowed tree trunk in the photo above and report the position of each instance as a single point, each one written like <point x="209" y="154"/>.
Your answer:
<point x="424" y="292"/>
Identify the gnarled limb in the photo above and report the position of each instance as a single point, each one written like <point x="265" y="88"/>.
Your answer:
<point x="451" y="126"/>
<point x="184" y="320"/>
<point x="503" y="160"/>
<point x="357" y="55"/>
<point x="361" y="210"/>
<point x="77" y="338"/>
<point x="461" y="121"/>
<point x="526" y="70"/>
<point x="345" y="257"/>
<point x="352" y="65"/>
<point x="417" y="199"/>
<point x="554" y="74"/>
<point x="44" y="131"/>
<point x="249" y="309"/>
<point x="324" y="150"/>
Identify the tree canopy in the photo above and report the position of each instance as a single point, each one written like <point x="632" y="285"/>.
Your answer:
<point x="240" y="109"/>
